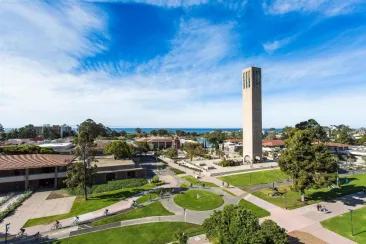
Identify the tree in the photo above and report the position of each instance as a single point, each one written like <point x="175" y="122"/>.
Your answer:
<point x="181" y="237"/>
<point x="123" y="133"/>
<point x="193" y="149"/>
<point x="273" y="233"/>
<point x="119" y="149"/>
<point x="138" y="130"/>
<point x="153" y="132"/>
<point x="216" y="138"/>
<point x="285" y="131"/>
<point x="307" y="163"/>
<point x="343" y="135"/>
<point x="78" y="177"/>
<point x="88" y="132"/>
<point x="2" y="131"/>
<point x="27" y="131"/>
<point x="318" y="133"/>
<point x="236" y="225"/>
<point x="12" y="134"/>
<point x="171" y="153"/>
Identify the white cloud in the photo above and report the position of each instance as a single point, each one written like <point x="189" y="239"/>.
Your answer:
<point x="195" y="85"/>
<point x="270" y="47"/>
<point x="326" y="7"/>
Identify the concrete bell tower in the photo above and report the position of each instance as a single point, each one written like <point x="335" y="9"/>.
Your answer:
<point x="252" y="114"/>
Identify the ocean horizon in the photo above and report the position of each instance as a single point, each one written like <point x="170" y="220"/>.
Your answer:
<point x="147" y="130"/>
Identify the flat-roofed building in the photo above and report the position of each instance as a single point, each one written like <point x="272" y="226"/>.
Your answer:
<point x="19" y="172"/>
<point x="160" y="143"/>
<point x="109" y="169"/>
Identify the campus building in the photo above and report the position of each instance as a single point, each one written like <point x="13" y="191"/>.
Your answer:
<point x="159" y="143"/>
<point x="252" y="114"/>
<point x="21" y="172"/>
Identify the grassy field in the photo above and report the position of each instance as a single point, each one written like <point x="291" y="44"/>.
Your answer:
<point x="342" y="225"/>
<point x="259" y="212"/>
<point x="356" y="184"/>
<point x="254" y="178"/>
<point x="195" y="181"/>
<point x="153" y="209"/>
<point x="152" y="233"/>
<point x="207" y="200"/>
<point x="145" y="198"/>
<point x="95" y="202"/>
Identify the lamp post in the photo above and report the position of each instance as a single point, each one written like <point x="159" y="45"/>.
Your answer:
<point x="337" y="171"/>
<point x="285" y="199"/>
<point x="350" y="210"/>
<point x="6" y="232"/>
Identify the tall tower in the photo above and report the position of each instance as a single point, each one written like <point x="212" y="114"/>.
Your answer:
<point x="252" y="114"/>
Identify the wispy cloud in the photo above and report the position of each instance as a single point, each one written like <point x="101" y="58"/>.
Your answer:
<point x="326" y="7"/>
<point x="196" y="84"/>
<point x="270" y="47"/>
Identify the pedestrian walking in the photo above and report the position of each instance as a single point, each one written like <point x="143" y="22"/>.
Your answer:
<point x="185" y="215"/>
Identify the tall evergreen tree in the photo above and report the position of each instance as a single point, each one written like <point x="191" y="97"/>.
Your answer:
<point x="308" y="163"/>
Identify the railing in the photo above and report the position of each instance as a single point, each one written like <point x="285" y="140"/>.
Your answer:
<point x="8" y="179"/>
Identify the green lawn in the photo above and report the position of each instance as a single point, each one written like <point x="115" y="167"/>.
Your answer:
<point x="229" y="192"/>
<point x="342" y="225"/>
<point x="95" y="202"/>
<point x="184" y="185"/>
<point x="259" y="212"/>
<point x="153" y="209"/>
<point x="195" y="181"/>
<point x="152" y="233"/>
<point x="145" y="198"/>
<point x="356" y="184"/>
<point x="207" y="200"/>
<point x="254" y="178"/>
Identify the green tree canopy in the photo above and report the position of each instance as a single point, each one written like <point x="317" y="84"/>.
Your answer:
<point x="79" y="177"/>
<point x="307" y="163"/>
<point x="119" y="149"/>
<point x="237" y="225"/>
<point x="27" y="131"/>
<point x="26" y="149"/>
<point x="138" y="130"/>
<point x="216" y="138"/>
<point x="171" y="153"/>
<point x="192" y="149"/>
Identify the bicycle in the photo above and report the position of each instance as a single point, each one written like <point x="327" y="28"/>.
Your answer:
<point x="56" y="226"/>
<point x="20" y="235"/>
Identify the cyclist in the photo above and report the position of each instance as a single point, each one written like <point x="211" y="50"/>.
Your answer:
<point x="76" y="220"/>
<point x="106" y="212"/>
<point x="37" y="235"/>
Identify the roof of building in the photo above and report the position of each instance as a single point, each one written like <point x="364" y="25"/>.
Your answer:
<point x="235" y="140"/>
<point x="154" y="139"/>
<point x="273" y="143"/>
<point x="23" y="161"/>
<point x="105" y="161"/>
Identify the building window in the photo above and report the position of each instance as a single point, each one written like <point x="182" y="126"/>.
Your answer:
<point x="259" y="78"/>
<point x="249" y="79"/>
<point x="243" y="81"/>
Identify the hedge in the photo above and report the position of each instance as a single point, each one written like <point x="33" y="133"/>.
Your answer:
<point x="228" y="163"/>
<point x="15" y="204"/>
<point x="109" y="186"/>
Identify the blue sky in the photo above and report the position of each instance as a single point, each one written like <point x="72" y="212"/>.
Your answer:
<point x="155" y="63"/>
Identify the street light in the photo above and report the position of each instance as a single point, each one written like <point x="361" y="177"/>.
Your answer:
<point x="285" y="198"/>
<point x="350" y="210"/>
<point x="6" y="232"/>
<point x="337" y="171"/>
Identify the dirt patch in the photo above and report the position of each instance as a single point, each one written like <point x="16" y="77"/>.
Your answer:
<point x="58" y="194"/>
<point x="299" y="237"/>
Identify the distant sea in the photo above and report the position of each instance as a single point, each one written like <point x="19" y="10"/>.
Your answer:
<point x="198" y="130"/>
<point x="147" y="130"/>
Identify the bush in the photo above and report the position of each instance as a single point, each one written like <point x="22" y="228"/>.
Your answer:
<point x="15" y="204"/>
<point x="176" y="171"/>
<point x="228" y="163"/>
<point x="206" y="156"/>
<point x="110" y="186"/>
<point x="155" y="179"/>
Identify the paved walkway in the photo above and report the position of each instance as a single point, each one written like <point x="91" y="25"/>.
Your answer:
<point x="305" y="219"/>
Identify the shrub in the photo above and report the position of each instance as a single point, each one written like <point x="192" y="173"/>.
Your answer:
<point x="11" y="207"/>
<point x="110" y="186"/>
<point x="155" y="179"/>
<point x="227" y="163"/>
<point x="176" y="171"/>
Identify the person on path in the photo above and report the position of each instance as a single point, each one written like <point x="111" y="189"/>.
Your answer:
<point x="223" y="183"/>
<point x="185" y="215"/>
<point x="149" y="198"/>
<point x="106" y="212"/>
